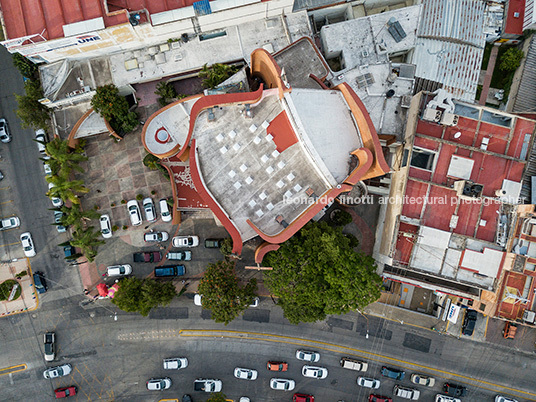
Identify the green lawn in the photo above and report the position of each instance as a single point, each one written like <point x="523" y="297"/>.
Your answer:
<point x="501" y="79"/>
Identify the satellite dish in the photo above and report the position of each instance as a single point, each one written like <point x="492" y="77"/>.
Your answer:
<point x="457" y="134"/>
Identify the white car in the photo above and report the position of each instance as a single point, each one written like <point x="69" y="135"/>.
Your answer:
<point x="49" y="340"/>
<point x="134" y="212"/>
<point x="307" y="355"/>
<point x="5" y="135"/>
<point x="420" y="379"/>
<point x="27" y="244"/>
<point x="446" y="398"/>
<point x="500" y="398"/>
<point x="245" y="374"/>
<point x="244" y="399"/>
<point x="282" y="384"/>
<point x="164" y="210"/>
<point x="105" y="227"/>
<point x="48" y="170"/>
<point x="148" y="208"/>
<point x="57" y="202"/>
<point x="315" y="372"/>
<point x="41" y="140"/>
<point x="198" y="299"/>
<point x="368" y="382"/>
<point x="158" y="384"/>
<point x="58" y="371"/>
<point x="175" y="363"/>
<point x="185" y="241"/>
<point x="155" y="236"/>
<point x="119" y="270"/>
<point x="9" y="223"/>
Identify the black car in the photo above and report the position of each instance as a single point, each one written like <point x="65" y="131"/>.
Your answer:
<point x="39" y="281"/>
<point x="186" y="398"/>
<point x="213" y="243"/>
<point x="454" y="389"/>
<point x="469" y="322"/>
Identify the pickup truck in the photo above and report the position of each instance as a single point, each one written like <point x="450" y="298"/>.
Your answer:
<point x="207" y="385"/>
<point x="148" y="256"/>
<point x="169" y="270"/>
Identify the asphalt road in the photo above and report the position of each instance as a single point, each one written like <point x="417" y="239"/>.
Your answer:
<point x="22" y="193"/>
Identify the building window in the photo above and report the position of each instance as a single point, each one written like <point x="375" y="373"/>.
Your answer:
<point x="422" y="159"/>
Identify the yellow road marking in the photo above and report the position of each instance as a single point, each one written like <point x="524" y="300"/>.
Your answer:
<point x="336" y="348"/>
<point x="6" y="202"/>
<point x="5" y="188"/>
<point x="13" y="369"/>
<point x="9" y="244"/>
<point x="486" y="329"/>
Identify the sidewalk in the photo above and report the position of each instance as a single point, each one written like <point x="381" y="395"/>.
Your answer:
<point x="489" y="74"/>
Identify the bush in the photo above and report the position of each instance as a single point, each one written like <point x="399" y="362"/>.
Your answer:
<point x="114" y="108"/>
<point x="166" y="92"/>
<point x="226" y="246"/>
<point x="125" y="227"/>
<point x="123" y="201"/>
<point x="21" y="274"/>
<point x="340" y="217"/>
<point x="115" y="228"/>
<point x="139" y="197"/>
<point x="112" y="204"/>
<point x="216" y="74"/>
<point x="353" y="240"/>
<point x="153" y="192"/>
<point x="6" y="287"/>
<point x="25" y="66"/>
<point x="511" y="59"/>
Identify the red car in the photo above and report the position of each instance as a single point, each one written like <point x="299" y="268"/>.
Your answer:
<point x="303" y="398"/>
<point x="65" y="392"/>
<point x="379" y="398"/>
<point x="277" y="366"/>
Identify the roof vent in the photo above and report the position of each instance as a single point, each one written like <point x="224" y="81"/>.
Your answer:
<point x="390" y="93"/>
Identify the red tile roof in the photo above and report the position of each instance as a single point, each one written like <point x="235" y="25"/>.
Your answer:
<point x="514" y="25"/>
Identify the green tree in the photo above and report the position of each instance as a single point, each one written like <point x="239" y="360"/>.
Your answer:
<point x="222" y="293"/>
<point x="316" y="272"/>
<point x="66" y="189"/>
<point x="87" y="240"/>
<point x="216" y="74"/>
<point x="226" y="246"/>
<point x="341" y="218"/>
<point x="74" y="215"/>
<point x="31" y="112"/>
<point x="511" y="59"/>
<point x="63" y="159"/>
<point x="136" y="295"/>
<point x="166" y="92"/>
<point x="217" y="397"/>
<point x="25" y="66"/>
<point x="114" y="108"/>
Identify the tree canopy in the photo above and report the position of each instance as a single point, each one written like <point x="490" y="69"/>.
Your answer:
<point x="316" y="272"/>
<point x="137" y="295"/>
<point x="31" y="112"/>
<point x="217" y="397"/>
<point x="511" y="59"/>
<point x="114" y="108"/>
<point x="215" y="74"/>
<point x="222" y="293"/>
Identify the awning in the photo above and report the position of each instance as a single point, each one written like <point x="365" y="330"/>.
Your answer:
<point x="103" y="289"/>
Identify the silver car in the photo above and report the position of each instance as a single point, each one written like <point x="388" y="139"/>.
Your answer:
<point x="368" y="382"/>
<point x="175" y="363"/>
<point x="315" y="372"/>
<point x="106" y="229"/>
<point x="245" y="373"/>
<point x="9" y="223"/>
<point x="5" y="135"/>
<point x="282" y="384"/>
<point x="134" y="212"/>
<point x="158" y="384"/>
<point x="119" y="270"/>
<point x="58" y="371"/>
<point x="27" y="244"/>
<point x="307" y="355"/>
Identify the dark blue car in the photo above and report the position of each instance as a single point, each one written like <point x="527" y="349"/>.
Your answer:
<point x="40" y="283"/>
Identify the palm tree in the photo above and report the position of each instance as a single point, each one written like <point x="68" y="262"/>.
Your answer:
<point x="63" y="157"/>
<point x="87" y="241"/>
<point x="65" y="189"/>
<point x="216" y="74"/>
<point x="74" y="216"/>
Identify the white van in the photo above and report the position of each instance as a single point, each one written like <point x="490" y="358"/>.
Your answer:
<point x="352" y="364"/>
<point x="406" y="393"/>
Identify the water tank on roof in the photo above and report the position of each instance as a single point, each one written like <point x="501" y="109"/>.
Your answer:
<point x="390" y="93"/>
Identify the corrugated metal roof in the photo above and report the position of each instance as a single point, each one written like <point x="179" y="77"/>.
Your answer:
<point x="525" y="101"/>
<point x="459" y="20"/>
<point x="455" y="65"/>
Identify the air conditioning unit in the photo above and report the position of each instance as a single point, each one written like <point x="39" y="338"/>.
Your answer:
<point x="449" y="119"/>
<point x="432" y="115"/>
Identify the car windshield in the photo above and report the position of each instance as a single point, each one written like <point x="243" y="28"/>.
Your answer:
<point x="121" y="270"/>
<point x="190" y="241"/>
<point x="48" y="348"/>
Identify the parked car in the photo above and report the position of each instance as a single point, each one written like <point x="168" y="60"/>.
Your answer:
<point x="185" y="241"/>
<point x="420" y="379"/>
<point x="307" y="355"/>
<point x="175" y="363"/>
<point x="452" y="389"/>
<point x="57" y="220"/>
<point x="134" y="212"/>
<point x="27" y="244"/>
<point x="445" y="398"/>
<point x="158" y="384"/>
<point x="186" y="398"/>
<point x="282" y="384"/>
<point x="56" y="202"/>
<point x="65" y="392"/>
<point x="303" y="398"/>
<point x="315" y="372"/>
<point x="169" y="270"/>
<point x="119" y="270"/>
<point x="469" y="321"/>
<point x="406" y="393"/>
<point x="379" y="398"/>
<point x="5" y="134"/>
<point x="393" y="373"/>
<point x="41" y="140"/>
<point x="198" y="299"/>
<point x="105" y="226"/>
<point x="164" y="210"/>
<point x="147" y="256"/>
<point x="9" y="223"/>
<point x="500" y="398"/>
<point x="58" y="371"/>
<point x="155" y="236"/>
<point x="366" y="382"/>
<point x="148" y="208"/>
<point x="277" y="366"/>
<point x="213" y="243"/>
<point x="39" y="282"/>
<point x="245" y="373"/>
<point x="179" y="255"/>
<point x="49" y="340"/>
<point x="68" y="251"/>
<point x="208" y="385"/>
<point x="48" y="170"/>
<point x="352" y="364"/>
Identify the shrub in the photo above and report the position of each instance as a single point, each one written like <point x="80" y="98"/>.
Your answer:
<point x="125" y="227"/>
<point x="25" y="66"/>
<point x="114" y="108"/>
<point x="96" y="207"/>
<point x="166" y="92"/>
<point x="139" y="197"/>
<point x="511" y="59"/>
<point x="123" y="201"/>
<point x="340" y="217"/>
<point x="112" y="204"/>
<point x="115" y="228"/>
<point x="31" y="112"/>
<point x="21" y="274"/>
<point x="153" y="192"/>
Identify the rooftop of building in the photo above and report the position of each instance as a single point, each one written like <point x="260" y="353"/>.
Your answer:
<point x="513" y="18"/>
